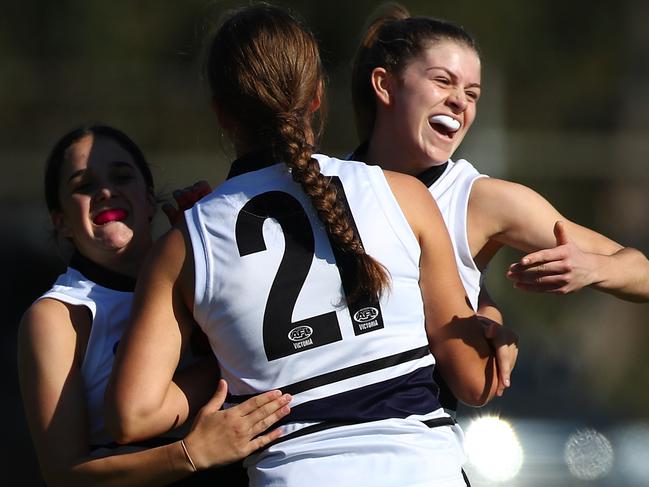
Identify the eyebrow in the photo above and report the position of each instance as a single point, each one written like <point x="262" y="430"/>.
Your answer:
<point x="76" y="174"/>
<point x="115" y="164"/>
<point x="454" y="76"/>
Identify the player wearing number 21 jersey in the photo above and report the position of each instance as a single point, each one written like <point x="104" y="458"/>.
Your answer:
<point x="269" y="294"/>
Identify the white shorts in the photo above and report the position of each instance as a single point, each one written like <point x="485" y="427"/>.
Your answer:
<point x="387" y="453"/>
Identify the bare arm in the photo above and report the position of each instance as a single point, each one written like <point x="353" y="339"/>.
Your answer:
<point x="455" y="334"/>
<point x="51" y="342"/>
<point x="142" y="400"/>
<point x="561" y="260"/>
<point x="487" y="307"/>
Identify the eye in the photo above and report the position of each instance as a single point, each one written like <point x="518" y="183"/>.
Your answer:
<point x="122" y="174"/>
<point x="442" y="80"/>
<point x="472" y="95"/>
<point x="82" y="186"/>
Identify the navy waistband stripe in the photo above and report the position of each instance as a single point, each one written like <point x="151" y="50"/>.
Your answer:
<point x="325" y="425"/>
<point x="346" y="373"/>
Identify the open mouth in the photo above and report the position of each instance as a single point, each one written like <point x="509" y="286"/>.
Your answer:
<point x="444" y="124"/>
<point x="107" y="216"/>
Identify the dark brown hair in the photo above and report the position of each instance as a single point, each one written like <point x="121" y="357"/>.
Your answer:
<point x="391" y="40"/>
<point x="265" y="71"/>
<point x="57" y="156"/>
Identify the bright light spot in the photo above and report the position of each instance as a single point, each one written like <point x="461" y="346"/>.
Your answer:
<point x="588" y="454"/>
<point x="633" y="453"/>
<point x="493" y="448"/>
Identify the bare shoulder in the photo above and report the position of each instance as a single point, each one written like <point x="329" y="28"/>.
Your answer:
<point x="497" y="192"/>
<point x="50" y="327"/>
<point x="168" y="253"/>
<point x="408" y="190"/>
<point x="416" y="202"/>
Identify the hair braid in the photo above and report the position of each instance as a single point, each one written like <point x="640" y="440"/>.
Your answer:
<point x="265" y="74"/>
<point x="369" y="276"/>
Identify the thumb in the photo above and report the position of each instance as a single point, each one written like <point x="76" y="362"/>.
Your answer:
<point x="219" y="396"/>
<point x="560" y="233"/>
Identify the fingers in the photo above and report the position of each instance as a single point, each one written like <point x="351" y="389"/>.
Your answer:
<point x="506" y="359"/>
<point x="263" y="440"/>
<point x="257" y="402"/>
<point x="540" y="257"/>
<point x="505" y="343"/>
<point x="264" y="417"/>
<point x="201" y="188"/>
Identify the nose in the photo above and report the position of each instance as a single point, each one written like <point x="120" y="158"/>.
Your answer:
<point x="105" y="192"/>
<point x="457" y="100"/>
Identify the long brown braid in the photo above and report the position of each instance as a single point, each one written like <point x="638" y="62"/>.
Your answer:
<point x="265" y="72"/>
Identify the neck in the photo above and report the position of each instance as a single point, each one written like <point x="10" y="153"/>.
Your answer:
<point x="384" y="151"/>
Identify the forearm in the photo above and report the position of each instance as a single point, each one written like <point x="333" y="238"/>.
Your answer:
<point x="151" y="467"/>
<point x="624" y="274"/>
<point x="135" y="420"/>
<point x="466" y="360"/>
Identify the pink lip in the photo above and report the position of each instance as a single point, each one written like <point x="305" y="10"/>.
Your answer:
<point x="117" y="214"/>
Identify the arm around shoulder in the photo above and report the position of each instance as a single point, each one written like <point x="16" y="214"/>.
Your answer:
<point x="455" y="334"/>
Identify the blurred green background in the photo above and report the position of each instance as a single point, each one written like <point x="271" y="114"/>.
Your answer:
<point x="564" y="109"/>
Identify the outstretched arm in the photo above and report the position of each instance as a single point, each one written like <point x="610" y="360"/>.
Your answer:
<point x="565" y="268"/>
<point x="568" y="254"/>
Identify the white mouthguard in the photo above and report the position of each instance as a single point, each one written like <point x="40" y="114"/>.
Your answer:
<point x="448" y="122"/>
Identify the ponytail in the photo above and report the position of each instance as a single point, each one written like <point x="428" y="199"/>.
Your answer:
<point x="265" y="71"/>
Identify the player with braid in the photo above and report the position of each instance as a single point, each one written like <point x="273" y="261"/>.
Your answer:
<point x="304" y="272"/>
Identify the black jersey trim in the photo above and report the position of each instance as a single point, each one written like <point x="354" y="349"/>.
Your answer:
<point x="428" y="177"/>
<point x="359" y="153"/>
<point x="102" y="276"/>
<point x="325" y="425"/>
<point x="432" y="174"/>
<point x="252" y="161"/>
<point x="342" y="374"/>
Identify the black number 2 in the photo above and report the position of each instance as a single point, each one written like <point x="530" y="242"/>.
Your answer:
<point x="282" y="336"/>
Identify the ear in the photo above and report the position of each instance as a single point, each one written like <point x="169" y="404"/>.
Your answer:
<point x="317" y="99"/>
<point x="58" y="220"/>
<point x="224" y="120"/>
<point x="382" y="85"/>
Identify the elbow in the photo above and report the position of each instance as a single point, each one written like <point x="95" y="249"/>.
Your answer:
<point x="124" y="419"/>
<point x="121" y="425"/>
<point x="476" y="391"/>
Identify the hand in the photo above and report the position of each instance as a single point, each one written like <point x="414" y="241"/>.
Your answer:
<point x="563" y="269"/>
<point x="185" y="199"/>
<point x="505" y="343"/>
<point x="219" y="437"/>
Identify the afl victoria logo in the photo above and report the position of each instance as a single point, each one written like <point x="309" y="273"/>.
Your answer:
<point x="366" y="314"/>
<point x="300" y="333"/>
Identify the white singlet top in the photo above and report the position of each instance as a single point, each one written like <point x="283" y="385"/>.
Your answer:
<point x="269" y="295"/>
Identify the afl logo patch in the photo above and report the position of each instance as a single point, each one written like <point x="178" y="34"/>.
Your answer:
<point x="300" y="333"/>
<point x="366" y="314"/>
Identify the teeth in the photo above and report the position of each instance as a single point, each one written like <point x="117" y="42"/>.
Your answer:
<point x="448" y="122"/>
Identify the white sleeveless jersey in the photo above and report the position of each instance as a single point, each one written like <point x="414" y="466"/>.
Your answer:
<point x="271" y="299"/>
<point x="451" y="191"/>
<point x="110" y="310"/>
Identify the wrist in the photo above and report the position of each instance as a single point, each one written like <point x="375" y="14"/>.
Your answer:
<point x="189" y="461"/>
